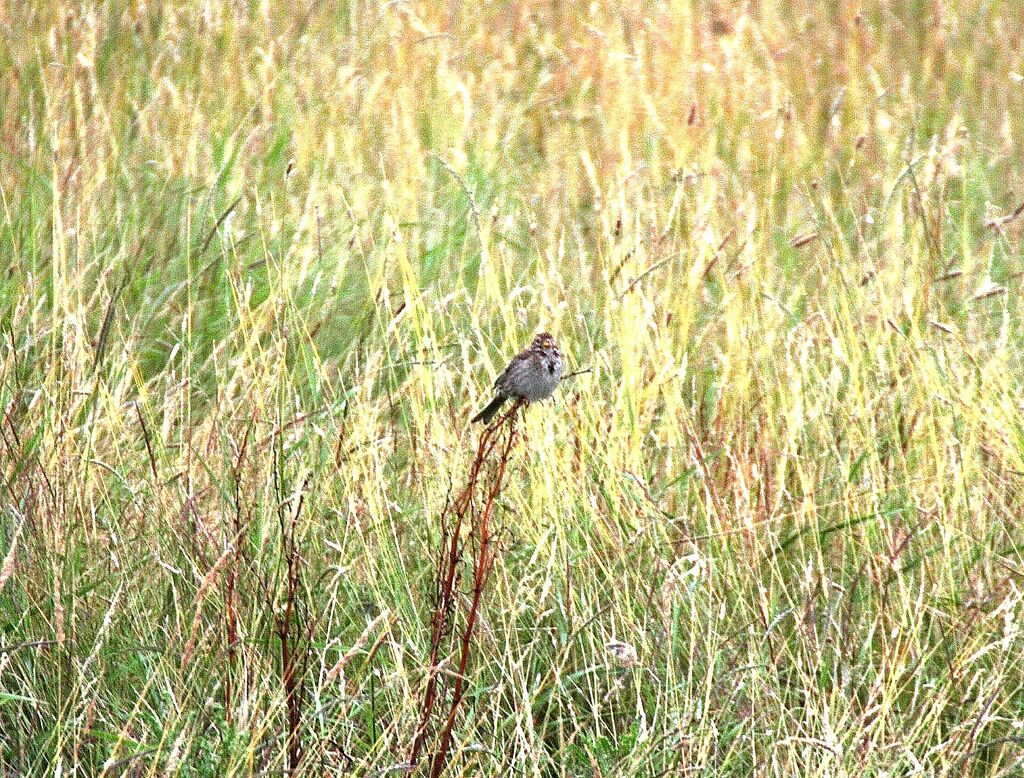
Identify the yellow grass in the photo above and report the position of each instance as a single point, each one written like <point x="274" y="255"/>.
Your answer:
<point x="260" y="263"/>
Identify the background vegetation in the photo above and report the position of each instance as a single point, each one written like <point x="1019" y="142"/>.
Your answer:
<point x="260" y="262"/>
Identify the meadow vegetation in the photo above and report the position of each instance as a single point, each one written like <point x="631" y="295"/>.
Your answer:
<point x="260" y="263"/>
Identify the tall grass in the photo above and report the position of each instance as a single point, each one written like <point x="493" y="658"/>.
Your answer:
<point x="260" y="262"/>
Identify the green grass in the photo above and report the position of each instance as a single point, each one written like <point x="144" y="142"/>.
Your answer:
<point x="260" y="263"/>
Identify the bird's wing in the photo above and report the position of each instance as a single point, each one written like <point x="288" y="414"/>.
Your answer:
<point x="501" y="377"/>
<point x="519" y="358"/>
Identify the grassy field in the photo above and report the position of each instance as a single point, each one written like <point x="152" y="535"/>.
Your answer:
<point x="260" y="263"/>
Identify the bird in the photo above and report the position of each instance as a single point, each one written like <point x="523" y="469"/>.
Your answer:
<point x="532" y="375"/>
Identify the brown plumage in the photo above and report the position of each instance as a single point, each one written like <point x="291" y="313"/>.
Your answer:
<point x="532" y="375"/>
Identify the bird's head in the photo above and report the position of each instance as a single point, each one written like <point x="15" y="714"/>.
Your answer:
<point x="544" y="341"/>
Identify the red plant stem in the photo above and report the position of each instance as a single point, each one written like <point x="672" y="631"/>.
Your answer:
<point x="447" y="566"/>
<point x="447" y="570"/>
<point x="483" y="564"/>
<point x="291" y="680"/>
<point x="232" y="637"/>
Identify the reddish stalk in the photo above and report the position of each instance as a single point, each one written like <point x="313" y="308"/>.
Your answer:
<point x="483" y="564"/>
<point x="446" y="588"/>
<point x="231" y="583"/>
<point x="293" y="635"/>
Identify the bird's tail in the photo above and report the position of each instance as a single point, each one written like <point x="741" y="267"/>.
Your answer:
<point x="487" y="413"/>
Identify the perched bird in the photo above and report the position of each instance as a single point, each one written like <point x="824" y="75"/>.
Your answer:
<point x="532" y="375"/>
